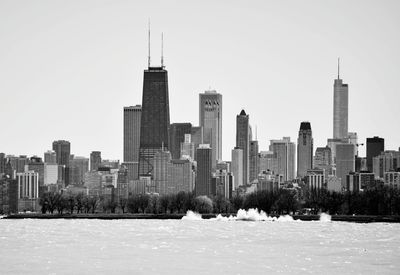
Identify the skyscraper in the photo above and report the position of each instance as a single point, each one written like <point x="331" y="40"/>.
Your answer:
<point x="177" y="133"/>
<point x="243" y="141"/>
<point x="132" y="117"/>
<point x="340" y="108"/>
<point x="253" y="160"/>
<point x="285" y="152"/>
<point x="304" y="149"/>
<point x="63" y="151"/>
<point x="160" y="172"/>
<point x="50" y="157"/>
<point x="154" y="122"/>
<point x="204" y="166"/>
<point x="95" y="160"/>
<point x="375" y="146"/>
<point x="323" y="160"/>
<point x="237" y="167"/>
<point x="345" y="161"/>
<point x="210" y="108"/>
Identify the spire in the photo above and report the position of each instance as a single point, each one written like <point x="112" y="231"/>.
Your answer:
<point x="148" y="62"/>
<point x="338" y="67"/>
<point x="162" y="50"/>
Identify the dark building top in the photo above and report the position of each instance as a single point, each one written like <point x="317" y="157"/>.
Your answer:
<point x="242" y="113"/>
<point x="305" y="126"/>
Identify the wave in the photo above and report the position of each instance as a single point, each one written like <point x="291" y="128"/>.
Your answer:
<point x="192" y="216"/>
<point x="323" y="217"/>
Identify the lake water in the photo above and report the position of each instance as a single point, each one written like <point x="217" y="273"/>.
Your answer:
<point x="194" y="246"/>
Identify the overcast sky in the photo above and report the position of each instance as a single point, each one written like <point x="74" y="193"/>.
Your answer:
<point x="67" y="68"/>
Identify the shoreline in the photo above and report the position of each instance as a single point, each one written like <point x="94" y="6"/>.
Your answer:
<point x="100" y="216"/>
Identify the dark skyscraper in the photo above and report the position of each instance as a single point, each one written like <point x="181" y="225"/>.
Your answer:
<point x="132" y="117"/>
<point x="304" y="149"/>
<point x="95" y="160"/>
<point x="154" y="123"/>
<point x="375" y="146"/>
<point x="63" y="151"/>
<point x="253" y="160"/>
<point x="177" y="133"/>
<point x="243" y="141"/>
<point x="204" y="166"/>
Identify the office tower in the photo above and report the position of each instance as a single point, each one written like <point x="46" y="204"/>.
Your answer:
<point x="187" y="147"/>
<point x="237" y="167"/>
<point x="304" y="149"/>
<point x="345" y="162"/>
<point x="177" y="133"/>
<point x="50" y="157"/>
<point x="110" y="163"/>
<point x="323" y="160"/>
<point x="78" y="166"/>
<point x="37" y="165"/>
<point x="2" y="162"/>
<point x="224" y="165"/>
<point x="356" y="182"/>
<point x="340" y="108"/>
<point x="386" y="161"/>
<point x="154" y="122"/>
<point x="353" y="139"/>
<point x="210" y="115"/>
<point x="221" y="184"/>
<point x="375" y="146"/>
<point x="392" y="179"/>
<point x="243" y="141"/>
<point x="132" y="120"/>
<point x="63" y="151"/>
<point x="18" y="163"/>
<point x="8" y="195"/>
<point x="285" y="152"/>
<point x="160" y="171"/>
<point x="197" y="137"/>
<point x="180" y="176"/>
<point x="28" y="190"/>
<point x="268" y="162"/>
<point x="253" y="160"/>
<point x="95" y="160"/>
<point x="204" y="166"/>
<point x="51" y="175"/>
<point x="267" y="181"/>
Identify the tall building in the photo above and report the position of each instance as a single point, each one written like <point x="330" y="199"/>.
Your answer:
<point x="253" y="160"/>
<point x="237" y="167"/>
<point x="28" y="190"/>
<point x="2" y="162"/>
<point x="340" y="108"/>
<point x="210" y="115"/>
<point x="154" y="122"/>
<point x="78" y="166"/>
<point x="50" y="157"/>
<point x="285" y="152"/>
<point x="160" y="172"/>
<point x="177" y="133"/>
<point x="323" y="160"/>
<point x="304" y="149"/>
<point x="345" y="161"/>
<point x="63" y="151"/>
<point x="37" y="165"/>
<point x="95" y="160"/>
<point x="132" y="118"/>
<point x="386" y="161"/>
<point x="204" y="170"/>
<point x="51" y="175"/>
<point x="243" y="141"/>
<point x="353" y="139"/>
<point x="187" y="147"/>
<point x="180" y="176"/>
<point x="375" y="146"/>
<point x="268" y="162"/>
<point x="197" y="137"/>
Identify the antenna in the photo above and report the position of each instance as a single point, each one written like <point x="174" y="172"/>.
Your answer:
<point x="338" y="67"/>
<point x="162" y="50"/>
<point x="149" y="46"/>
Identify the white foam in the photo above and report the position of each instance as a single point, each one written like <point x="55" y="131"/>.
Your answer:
<point x="323" y="217"/>
<point x="192" y="216"/>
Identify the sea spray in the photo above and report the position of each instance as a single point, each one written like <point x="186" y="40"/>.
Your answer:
<point x="323" y="217"/>
<point x="192" y="216"/>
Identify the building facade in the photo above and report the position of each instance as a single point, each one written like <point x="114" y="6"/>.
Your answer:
<point x="63" y="151"/>
<point x="177" y="133"/>
<point x="285" y="153"/>
<point x="375" y="146"/>
<point x="243" y="142"/>
<point x="204" y="169"/>
<point x="305" y="149"/>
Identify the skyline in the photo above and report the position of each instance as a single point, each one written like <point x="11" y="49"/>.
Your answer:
<point x="93" y="123"/>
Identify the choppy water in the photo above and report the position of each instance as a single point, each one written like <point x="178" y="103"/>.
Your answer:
<point x="197" y="246"/>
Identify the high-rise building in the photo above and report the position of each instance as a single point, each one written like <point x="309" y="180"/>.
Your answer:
<point x="386" y="161"/>
<point x="210" y="115"/>
<point x="63" y="151"/>
<point x="304" y="149"/>
<point x="268" y="162"/>
<point x="197" y="137"/>
<point x="28" y="190"/>
<point x="50" y="157"/>
<point x="204" y="166"/>
<point x="132" y="120"/>
<point x="243" y="142"/>
<point x="160" y="171"/>
<point x="187" y="147"/>
<point x="237" y="167"/>
<point x="315" y="178"/>
<point x="181" y="176"/>
<point x="95" y="160"/>
<point x="18" y="163"/>
<point x="285" y="152"/>
<point x="154" y="122"/>
<point x="177" y="133"/>
<point x="50" y="174"/>
<point x="340" y="108"/>
<point x="2" y="162"/>
<point x="323" y="160"/>
<point x="375" y="146"/>
<point x="253" y="160"/>
<point x="37" y="165"/>
<point x="353" y="139"/>
<point x="345" y="161"/>
<point x="78" y="166"/>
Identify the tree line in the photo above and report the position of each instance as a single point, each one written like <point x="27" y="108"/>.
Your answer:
<point x="379" y="201"/>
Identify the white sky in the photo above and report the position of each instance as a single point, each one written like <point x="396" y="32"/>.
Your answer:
<point x="67" y="68"/>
